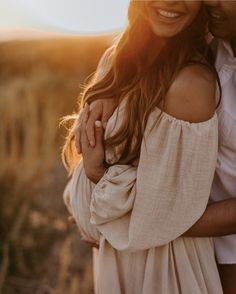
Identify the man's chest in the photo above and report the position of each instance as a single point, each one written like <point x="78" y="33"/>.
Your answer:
<point x="227" y="113"/>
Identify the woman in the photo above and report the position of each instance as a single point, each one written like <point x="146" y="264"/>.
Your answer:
<point x="156" y="179"/>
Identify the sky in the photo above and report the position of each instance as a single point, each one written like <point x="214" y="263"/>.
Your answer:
<point x="68" y="16"/>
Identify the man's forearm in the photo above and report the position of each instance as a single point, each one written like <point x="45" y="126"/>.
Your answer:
<point x="219" y="219"/>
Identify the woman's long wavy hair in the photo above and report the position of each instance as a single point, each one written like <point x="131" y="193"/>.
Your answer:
<point x="141" y="67"/>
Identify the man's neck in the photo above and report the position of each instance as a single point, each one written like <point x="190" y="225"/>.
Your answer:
<point x="233" y="46"/>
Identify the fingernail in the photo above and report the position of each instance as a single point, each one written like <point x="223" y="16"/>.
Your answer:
<point x="98" y="123"/>
<point x="92" y="144"/>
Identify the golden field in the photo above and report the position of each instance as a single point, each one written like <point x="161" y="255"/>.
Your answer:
<point x="40" y="250"/>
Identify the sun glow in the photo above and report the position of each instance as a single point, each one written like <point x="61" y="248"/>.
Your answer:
<point x="73" y="16"/>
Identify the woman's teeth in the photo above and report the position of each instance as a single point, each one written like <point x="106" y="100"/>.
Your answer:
<point x="168" y="13"/>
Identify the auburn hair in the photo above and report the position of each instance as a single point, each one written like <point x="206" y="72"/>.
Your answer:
<point x="140" y="66"/>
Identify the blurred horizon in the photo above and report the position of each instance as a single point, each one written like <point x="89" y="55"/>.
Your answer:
<point x="61" y="16"/>
<point x="21" y="33"/>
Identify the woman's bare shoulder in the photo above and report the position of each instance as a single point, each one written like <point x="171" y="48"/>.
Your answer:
<point x="191" y="96"/>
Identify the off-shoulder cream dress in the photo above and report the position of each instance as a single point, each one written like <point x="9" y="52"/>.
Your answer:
<point x="138" y="214"/>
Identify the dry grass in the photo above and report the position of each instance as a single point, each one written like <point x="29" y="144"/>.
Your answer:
<point x="30" y="108"/>
<point x="39" y="82"/>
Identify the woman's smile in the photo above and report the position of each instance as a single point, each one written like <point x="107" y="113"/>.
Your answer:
<point x="168" y="16"/>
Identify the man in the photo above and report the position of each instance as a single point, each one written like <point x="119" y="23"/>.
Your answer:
<point x="219" y="218"/>
<point x="222" y="25"/>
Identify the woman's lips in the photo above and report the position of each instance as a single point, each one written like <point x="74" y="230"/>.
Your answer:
<point x="167" y="15"/>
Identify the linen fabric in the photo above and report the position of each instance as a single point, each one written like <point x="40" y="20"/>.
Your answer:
<point x="137" y="214"/>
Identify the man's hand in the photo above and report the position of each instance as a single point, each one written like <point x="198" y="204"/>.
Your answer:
<point x="101" y="110"/>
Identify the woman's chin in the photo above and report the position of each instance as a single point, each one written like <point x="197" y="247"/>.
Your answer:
<point x="166" y="33"/>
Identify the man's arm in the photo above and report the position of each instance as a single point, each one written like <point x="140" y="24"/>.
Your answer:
<point x="219" y="219"/>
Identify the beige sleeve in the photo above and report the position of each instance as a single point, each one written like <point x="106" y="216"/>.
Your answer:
<point x="170" y="191"/>
<point x="77" y="198"/>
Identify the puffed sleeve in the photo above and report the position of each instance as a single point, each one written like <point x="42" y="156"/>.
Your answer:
<point x="169" y="191"/>
<point x="77" y="197"/>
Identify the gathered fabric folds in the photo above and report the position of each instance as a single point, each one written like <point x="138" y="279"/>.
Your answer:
<point x="138" y="214"/>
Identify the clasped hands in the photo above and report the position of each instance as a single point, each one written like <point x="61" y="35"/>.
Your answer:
<point x="93" y="154"/>
<point x="89" y="131"/>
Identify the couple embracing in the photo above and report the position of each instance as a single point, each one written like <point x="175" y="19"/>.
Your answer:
<point x="157" y="179"/>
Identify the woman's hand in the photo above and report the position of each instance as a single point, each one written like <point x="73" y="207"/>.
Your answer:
<point x="84" y="236"/>
<point x="93" y="157"/>
<point x="102" y="110"/>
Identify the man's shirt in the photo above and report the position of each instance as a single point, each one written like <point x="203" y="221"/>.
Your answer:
<point x="224" y="184"/>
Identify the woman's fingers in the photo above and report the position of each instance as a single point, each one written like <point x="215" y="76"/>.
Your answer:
<point x="72" y="220"/>
<point x="92" y="244"/>
<point x="82" y="119"/>
<point x="82" y="233"/>
<point x="77" y="133"/>
<point x="99" y="132"/>
<point x="109" y="106"/>
<point x="101" y="109"/>
<point x="85" y="114"/>
<point x="84" y="236"/>
<point x="83" y="135"/>
<point x="95" y="113"/>
<point x="105" y="116"/>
